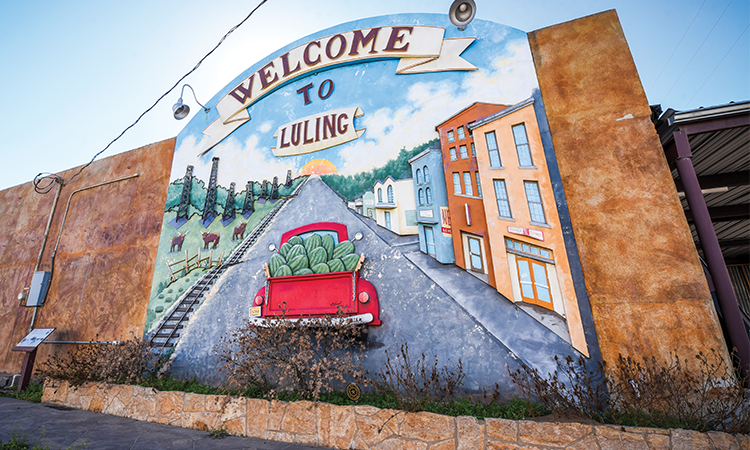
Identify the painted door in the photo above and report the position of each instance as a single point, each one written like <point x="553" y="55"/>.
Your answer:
<point x="475" y="254"/>
<point x="534" y="282"/>
<point x="388" y="220"/>
<point x="429" y="237"/>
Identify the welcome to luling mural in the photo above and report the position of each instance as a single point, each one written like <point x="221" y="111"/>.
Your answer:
<point x="392" y="167"/>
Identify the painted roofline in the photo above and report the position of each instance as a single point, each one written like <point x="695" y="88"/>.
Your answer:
<point x="423" y="154"/>
<point x="503" y="113"/>
<point x="454" y="115"/>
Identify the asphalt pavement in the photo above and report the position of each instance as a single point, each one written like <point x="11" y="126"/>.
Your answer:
<point x="60" y="427"/>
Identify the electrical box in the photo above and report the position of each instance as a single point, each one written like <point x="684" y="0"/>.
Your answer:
<point x="38" y="290"/>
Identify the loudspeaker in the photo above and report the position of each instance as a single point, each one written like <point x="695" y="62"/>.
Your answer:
<point x="462" y="12"/>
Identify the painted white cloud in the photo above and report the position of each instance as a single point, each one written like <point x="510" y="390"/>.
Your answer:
<point x="510" y="80"/>
<point x="239" y="162"/>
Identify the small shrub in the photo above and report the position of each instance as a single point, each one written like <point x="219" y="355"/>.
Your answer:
<point x="706" y="395"/>
<point x="417" y="383"/>
<point x="127" y="362"/>
<point x="159" y="309"/>
<point x="293" y="356"/>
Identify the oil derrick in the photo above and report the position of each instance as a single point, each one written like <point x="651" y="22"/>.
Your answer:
<point x="263" y="190"/>
<point x="228" y="215"/>
<point x="275" y="189"/>
<point x="288" y="183"/>
<point x="209" y="209"/>
<point x="182" y="211"/>
<point x="249" y="206"/>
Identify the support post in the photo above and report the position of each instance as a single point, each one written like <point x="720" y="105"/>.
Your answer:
<point x="712" y="252"/>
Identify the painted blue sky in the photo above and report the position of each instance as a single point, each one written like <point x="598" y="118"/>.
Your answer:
<point x="400" y="111"/>
<point x="76" y="74"/>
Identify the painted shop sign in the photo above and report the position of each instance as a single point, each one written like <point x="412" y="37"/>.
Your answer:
<point x="319" y="132"/>
<point x="445" y="221"/>
<point x="534" y="234"/>
<point x="426" y="213"/>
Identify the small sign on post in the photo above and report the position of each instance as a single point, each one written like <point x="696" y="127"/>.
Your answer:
<point x="29" y="345"/>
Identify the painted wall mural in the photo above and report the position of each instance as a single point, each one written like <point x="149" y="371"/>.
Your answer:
<point x="342" y="172"/>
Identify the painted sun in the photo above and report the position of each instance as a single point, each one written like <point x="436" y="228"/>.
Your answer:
<point x="318" y="167"/>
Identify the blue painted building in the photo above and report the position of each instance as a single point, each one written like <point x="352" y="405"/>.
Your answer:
<point x="432" y="205"/>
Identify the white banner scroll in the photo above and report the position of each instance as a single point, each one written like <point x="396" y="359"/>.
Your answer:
<point x="420" y="49"/>
<point x="318" y="132"/>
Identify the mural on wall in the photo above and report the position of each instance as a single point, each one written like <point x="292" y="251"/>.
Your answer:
<point x="371" y="125"/>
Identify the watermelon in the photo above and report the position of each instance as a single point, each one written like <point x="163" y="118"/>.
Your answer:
<point x="312" y="242"/>
<point x="336" y="265"/>
<point x="321" y="268"/>
<point x="275" y="262"/>
<point x="299" y="262"/>
<point x="350" y="261"/>
<point x="295" y="251"/>
<point x="328" y="244"/>
<point x="343" y="249"/>
<point x="283" y="271"/>
<point x="304" y="271"/>
<point x="317" y="256"/>
<point x="285" y="247"/>
<point x="294" y="240"/>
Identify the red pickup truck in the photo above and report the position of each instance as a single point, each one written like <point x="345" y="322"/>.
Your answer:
<point x="319" y="294"/>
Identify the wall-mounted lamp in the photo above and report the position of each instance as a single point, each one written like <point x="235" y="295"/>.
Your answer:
<point x="462" y="12"/>
<point x="181" y="110"/>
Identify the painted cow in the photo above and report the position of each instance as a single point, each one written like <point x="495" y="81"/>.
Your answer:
<point x="239" y="231"/>
<point x="177" y="242"/>
<point x="209" y="238"/>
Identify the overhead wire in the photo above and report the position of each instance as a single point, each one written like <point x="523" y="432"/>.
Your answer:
<point x="721" y="63"/>
<point x="43" y="184"/>
<point x="698" y="49"/>
<point x="678" y="45"/>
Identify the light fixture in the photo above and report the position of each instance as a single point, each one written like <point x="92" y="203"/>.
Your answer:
<point x="181" y="110"/>
<point x="462" y="12"/>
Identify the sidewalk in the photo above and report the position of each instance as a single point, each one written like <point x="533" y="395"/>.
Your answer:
<point x="60" y="427"/>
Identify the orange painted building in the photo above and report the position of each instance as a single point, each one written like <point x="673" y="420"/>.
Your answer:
<point x="469" y="227"/>
<point x="529" y="258"/>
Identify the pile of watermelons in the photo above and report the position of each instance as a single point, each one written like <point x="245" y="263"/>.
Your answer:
<point x="314" y="254"/>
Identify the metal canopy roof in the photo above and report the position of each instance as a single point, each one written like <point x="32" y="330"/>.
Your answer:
<point x="719" y="138"/>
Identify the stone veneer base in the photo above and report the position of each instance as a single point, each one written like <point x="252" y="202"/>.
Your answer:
<point x="367" y="427"/>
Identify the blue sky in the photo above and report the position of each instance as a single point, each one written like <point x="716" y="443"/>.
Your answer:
<point x="77" y="73"/>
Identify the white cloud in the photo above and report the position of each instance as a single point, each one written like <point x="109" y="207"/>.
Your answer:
<point x="265" y="127"/>
<point x="510" y="80"/>
<point x="239" y="162"/>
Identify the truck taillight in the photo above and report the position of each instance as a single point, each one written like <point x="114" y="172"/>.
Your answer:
<point x="363" y="297"/>
<point x="258" y="300"/>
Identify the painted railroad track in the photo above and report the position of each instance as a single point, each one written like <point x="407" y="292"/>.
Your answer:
<point x="168" y="332"/>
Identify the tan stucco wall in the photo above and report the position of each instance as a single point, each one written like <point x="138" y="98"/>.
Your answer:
<point x="105" y="262"/>
<point x="645" y="284"/>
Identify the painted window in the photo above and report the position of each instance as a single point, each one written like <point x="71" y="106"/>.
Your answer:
<point x="390" y="194"/>
<point x="380" y="195"/>
<point x="461" y="134"/>
<point x="479" y="184"/>
<point x="369" y="213"/>
<point x="492" y="148"/>
<point x="535" y="201"/>
<point x="456" y="183"/>
<point x="464" y="152"/>
<point x="503" y="203"/>
<point x="388" y="220"/>
<point x="429" y="238"/>
<point x="421" y="196"/>
<point x="473" y="150"/>
<point x="531" y="250"/>
<point x="426" y="174"/>
<point x="522" y="145"/>
<point x="467" y="184"/>
<point x="451" y="136"/>
<point x="428" y="191"/>
<point x="419" y="176"/>
<point x="453" y="154"/>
